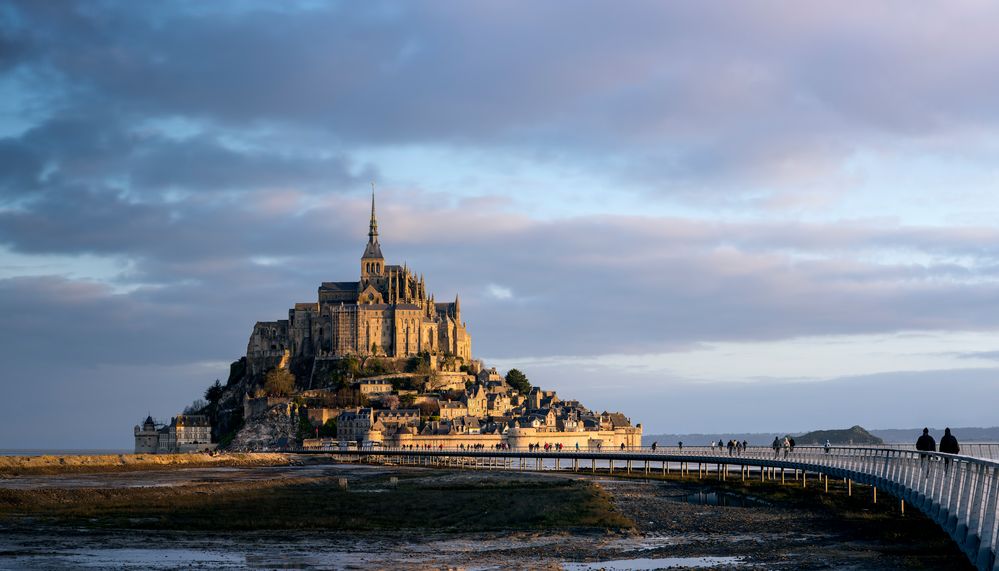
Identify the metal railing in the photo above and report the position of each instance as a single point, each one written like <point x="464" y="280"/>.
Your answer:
<point x="959" y="492"/>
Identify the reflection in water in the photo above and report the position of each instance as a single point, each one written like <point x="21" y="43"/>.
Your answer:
<point x="718" y="499"/>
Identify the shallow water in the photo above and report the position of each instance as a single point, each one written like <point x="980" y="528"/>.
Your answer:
<point x="718" y="499"/>
<point x="648" y="564"/>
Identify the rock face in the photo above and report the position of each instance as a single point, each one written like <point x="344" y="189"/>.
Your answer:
<point x="272" y="429"/>
<point x="856" y="436"/>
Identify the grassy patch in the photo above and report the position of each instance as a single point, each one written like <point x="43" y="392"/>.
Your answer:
<point x="47" y="465"/>
<point x="321" y="504"/>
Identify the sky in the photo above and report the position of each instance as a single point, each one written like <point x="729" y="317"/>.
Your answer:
<point x="748" y="217"/>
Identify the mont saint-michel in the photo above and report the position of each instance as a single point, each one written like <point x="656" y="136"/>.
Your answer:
<point x="378" y="362"/>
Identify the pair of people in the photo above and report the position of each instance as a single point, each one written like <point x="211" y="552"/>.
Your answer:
<point x="948" y="444"/>
<point x="787" y="445"/>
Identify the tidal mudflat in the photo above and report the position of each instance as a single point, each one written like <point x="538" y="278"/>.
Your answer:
<point x="299" y="517"/>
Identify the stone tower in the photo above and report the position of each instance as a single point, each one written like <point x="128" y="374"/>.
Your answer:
<point x="372" y="262"/>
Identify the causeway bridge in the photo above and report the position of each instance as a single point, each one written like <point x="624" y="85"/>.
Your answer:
<point x="959" y="492"/>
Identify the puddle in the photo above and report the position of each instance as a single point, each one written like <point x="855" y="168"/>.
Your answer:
<point x="149" y="558"/>
<point x="649" y="564"/>
<point x="718" y="499"/>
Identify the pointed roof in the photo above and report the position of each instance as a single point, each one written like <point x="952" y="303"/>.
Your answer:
<point x="373" y="249"/>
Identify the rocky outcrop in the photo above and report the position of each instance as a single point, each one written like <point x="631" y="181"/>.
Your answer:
<point x="273" y="429"/>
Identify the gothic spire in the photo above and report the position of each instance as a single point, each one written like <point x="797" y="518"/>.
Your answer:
<point x="373" y="250"/>
<point x="373" y="227"/>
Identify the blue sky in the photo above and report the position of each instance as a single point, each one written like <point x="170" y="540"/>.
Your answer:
<point x="741" y="217"/>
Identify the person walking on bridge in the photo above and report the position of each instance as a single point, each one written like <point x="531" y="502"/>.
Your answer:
<point x="949" y="445"/>
<point x="776" y="447"/>
<point x="925" y="443"/>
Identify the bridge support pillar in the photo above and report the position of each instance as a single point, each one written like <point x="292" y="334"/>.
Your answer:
<point x="628" y="466"/>
<point x="610" y="466"/>
<point x="804" y="477"/>
<point x="782" y="476"/>
<point x="875" y="497"/>
<point x="849" y="487"/>
<point x="827" y="483"/>
<point x="698" y="470"/>
<point x="901" y="506"/>
<point x="593" y="466"/>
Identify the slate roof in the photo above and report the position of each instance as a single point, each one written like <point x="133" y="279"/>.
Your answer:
<point x="373" y="250"/>
<point x="340" y="286"/>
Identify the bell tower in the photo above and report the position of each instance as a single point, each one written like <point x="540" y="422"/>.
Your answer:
<point x="372" y="261"/>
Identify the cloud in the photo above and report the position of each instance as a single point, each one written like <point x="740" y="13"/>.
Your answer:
<point x="980" y="355"/>
<point x="594" y="180"/>
<point x="689" y="98"/>
<point x="499" y="292"/>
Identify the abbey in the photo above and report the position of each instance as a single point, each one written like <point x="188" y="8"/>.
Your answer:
<point x="387" y="312"/>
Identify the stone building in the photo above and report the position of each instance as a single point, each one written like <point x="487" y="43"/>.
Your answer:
<point x="185" y="433"/>
<point x="386" y="312"/>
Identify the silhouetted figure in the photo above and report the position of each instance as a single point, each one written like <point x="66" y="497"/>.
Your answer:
<point x="680" y="445"/>
<point x="654" y="444"/>
<point x="925" y="443"/>
<point x="948" y="444"/>
<point x="776" y="446"/>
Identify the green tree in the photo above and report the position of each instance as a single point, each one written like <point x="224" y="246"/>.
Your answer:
<point x="328" y="430"/>
<point x="305" y="429"/>
<point x="214" y="393"/>
<point x="518" y="381"/>
<point x="279" y="383"/>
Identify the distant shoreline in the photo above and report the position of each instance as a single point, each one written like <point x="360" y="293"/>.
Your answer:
<point x="889" y="435"/>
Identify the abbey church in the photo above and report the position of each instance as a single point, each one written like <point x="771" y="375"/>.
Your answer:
<point x="387" y="312"/>
<point x="359" y="353"/>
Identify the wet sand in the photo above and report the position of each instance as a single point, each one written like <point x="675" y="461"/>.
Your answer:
<point x="800" y="531"/>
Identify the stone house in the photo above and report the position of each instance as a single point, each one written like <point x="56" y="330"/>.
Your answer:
<point x="452" y="409"/>
<point x="354" y="424"/>
<point x="374" y="387"/>
<point x="185" y="433"/>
